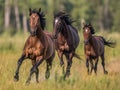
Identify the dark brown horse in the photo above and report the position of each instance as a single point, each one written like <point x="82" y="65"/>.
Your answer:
<point x="38" y="47"/>
<point x="94" y="47"/>
<point x="66" y="39"/>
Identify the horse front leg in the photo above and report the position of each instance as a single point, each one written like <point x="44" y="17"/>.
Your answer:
<point x="16" y="76"/>
<point x="69" y="64"/>
<point x="95" y="68"/>
<point x="49" y="66"/>
<point x="60" y="55"/>
<point x="34" y="69"/>
<point x="87" y="65"/>
<point x="92" y="66"/>
<point x="37" y="71"/>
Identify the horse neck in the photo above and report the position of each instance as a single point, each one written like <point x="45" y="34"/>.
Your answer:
<point x="68" y="34"/>
<point x="40" y="33"/>
<point x="91" y="40"/>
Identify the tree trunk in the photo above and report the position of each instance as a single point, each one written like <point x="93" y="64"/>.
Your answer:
<point x="7" y="14"/>
<point x="100" y="19"/>
<point x="17" y="15"/>
<point x="25" y="28"/>
<point x="107" y="19"/>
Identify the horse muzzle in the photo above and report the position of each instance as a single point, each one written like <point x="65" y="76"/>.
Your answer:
<point x="86" y="42"/>
<point x="55" y="36"/>
<point x="33" y="32"/>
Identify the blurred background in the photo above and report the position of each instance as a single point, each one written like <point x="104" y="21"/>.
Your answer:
<point x="103" y="14"/>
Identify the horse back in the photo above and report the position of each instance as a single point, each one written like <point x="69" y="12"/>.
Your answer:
<point x="98" y="44"/>
<point x="74" y="37"/>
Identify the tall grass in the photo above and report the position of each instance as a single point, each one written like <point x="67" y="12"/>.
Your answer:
<point x="11" y="49"/>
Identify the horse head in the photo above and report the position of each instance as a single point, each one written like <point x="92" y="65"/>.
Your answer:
<point x="37" y="20"/>
<point x="88" y="30"/>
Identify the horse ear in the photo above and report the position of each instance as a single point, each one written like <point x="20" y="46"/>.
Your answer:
<point x="89" y="24"/>
<point x="39" y="10"/>
<point x="83" y="24"/>
<point x="30" y="11"/>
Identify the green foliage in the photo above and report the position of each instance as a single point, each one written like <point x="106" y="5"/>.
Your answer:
<point x="103" y="14"/>
<point x="115" y="13"/>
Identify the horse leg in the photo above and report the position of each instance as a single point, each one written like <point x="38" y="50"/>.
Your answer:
<point x="47" y="73"/>
<point x="37" y="71"/>
<point x="37" y="75"/>
<point x="49" y="66"/>
<point x="69" y="64"/>
<point x="16" y="76"/>
<point x="103" y="64"/>
<point x="87" y="65"/>
<point x="95" y="68"/>
<point x="60" y="55"/>
<point x="34" y="69"/>
<point x="92" y="65"/>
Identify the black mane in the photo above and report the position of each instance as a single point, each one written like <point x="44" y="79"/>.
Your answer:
<point x="66" y="17"/>
<point x="91" y="28"/>
<point x="42" y="17"/>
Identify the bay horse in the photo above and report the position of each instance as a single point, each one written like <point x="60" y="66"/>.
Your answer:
<point x="38" y="47"/>
<point x="66" y="39"/>
<point x="94" y="48"/>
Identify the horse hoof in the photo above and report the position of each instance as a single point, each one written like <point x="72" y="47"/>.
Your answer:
<point x="47" y="74"/>
<point x="64" y="78"/>
<point x="68" y="74"/>
<point x="106" y="72"/>
<point x="27" y="82"/>
<point x="88" y="73"/>
<point x="61" y="63"/>
<point x="16" y="78"/>
<point x="37" y="81"/>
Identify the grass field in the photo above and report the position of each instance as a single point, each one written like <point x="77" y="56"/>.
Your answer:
<point x="11" y="49"/>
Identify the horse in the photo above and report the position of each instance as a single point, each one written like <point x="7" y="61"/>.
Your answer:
<point x="94" y="48"/>
<point x="66" y="39"/>
<point x="38" y="47"/>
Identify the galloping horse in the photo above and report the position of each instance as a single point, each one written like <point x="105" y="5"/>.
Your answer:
<point x="38" y="46"/>
<point x="66" y="39"/>
<point x="94" y="47"/>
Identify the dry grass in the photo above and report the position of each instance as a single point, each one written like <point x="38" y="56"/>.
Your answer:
<point x="11" y="48"/>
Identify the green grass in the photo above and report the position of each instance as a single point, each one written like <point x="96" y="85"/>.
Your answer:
<point x="11" y="49"/>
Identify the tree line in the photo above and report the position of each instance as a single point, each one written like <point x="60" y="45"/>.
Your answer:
<point x="103" y="14"/>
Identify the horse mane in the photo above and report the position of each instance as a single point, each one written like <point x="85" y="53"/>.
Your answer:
<point x="91" y="28"/>
<point x="65" y="16"/>
<point x="42" y="17"/>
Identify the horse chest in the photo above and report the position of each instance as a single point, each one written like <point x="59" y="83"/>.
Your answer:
<point x="89" y="51"/>
<point x="34" y="49"/>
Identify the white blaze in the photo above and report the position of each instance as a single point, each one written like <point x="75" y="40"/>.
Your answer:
<point x="86" y="30"/>
<point x="56" y="20"/>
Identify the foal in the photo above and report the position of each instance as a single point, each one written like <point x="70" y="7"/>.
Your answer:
<point x="94" y="48"/>
<point x="39" y="46"/>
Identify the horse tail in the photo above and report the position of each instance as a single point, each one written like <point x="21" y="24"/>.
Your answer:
<point x="77" y="56"/>
<point x="109" y="43"/>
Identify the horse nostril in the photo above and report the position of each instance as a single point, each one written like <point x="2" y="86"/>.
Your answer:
<point x="55" y="36"/>
<point x="85" y="42"/>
